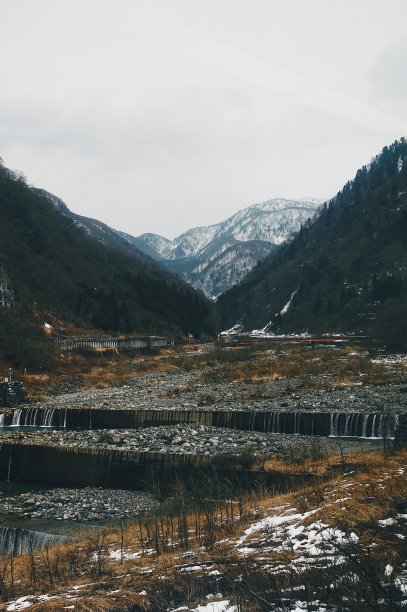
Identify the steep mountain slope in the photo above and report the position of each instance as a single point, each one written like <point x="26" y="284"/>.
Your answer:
<point x="345" y="271"/>
<point x="97" y="230"/>
<point x="215" y="257"/>
<point x="57" y="261"/>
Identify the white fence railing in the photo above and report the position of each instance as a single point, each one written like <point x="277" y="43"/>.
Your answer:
<point x="71" y="344"/>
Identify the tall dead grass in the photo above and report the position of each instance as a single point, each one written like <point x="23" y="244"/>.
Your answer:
<point x="342" y="365"/>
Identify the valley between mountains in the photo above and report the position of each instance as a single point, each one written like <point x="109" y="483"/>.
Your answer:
<point x="214" y="423"/>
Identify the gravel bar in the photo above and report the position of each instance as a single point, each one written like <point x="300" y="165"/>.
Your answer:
<point x="190" y="390"/>
<point x="85" y="505"/>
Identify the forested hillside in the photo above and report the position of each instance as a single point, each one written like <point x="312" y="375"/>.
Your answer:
<point x="54" y="264"/>
<point x="344" y="272"/>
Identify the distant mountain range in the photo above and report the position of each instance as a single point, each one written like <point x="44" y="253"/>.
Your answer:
<point x="345" y="271"/>
<point x="215" y="257"/>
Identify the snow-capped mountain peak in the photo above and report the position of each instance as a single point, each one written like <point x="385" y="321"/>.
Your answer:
<point x="217" y="256"/>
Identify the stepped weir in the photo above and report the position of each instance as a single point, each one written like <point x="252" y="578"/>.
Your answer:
<point x="327" y="424"/>
<point x="87" y="466"/>
<point x="16" y="541"/>
<point x="132" y="469"/>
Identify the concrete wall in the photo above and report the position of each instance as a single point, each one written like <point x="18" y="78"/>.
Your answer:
<point x="72" y="466"/>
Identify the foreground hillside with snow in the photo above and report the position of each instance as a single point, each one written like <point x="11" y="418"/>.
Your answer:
<point x="336" y="542"/>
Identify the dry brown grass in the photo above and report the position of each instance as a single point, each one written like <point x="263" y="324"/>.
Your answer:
<point x="343" y="365"/>
<point x="371" y="487"/>
<point x="376" y="482"/>
<point x="95" y="369"/>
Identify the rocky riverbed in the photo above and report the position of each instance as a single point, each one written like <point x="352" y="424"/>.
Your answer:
<point x="172" y="439"/>
<point x="89" y="504"/>
<point x="182" y="439"/>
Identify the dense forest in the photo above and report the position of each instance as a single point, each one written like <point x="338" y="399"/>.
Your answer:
<point x="55" y="265"/>
<point x="344" y="272"/>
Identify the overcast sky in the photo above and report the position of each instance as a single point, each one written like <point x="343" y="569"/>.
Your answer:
<point x="157" y="116"/>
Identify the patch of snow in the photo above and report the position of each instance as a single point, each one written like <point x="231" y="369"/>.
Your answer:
<point x="235" y="329"/>
<point x="28" y="600"/>
<point x="20" y="604"/>
<point x="287" y="306"/>
<point x="301" y="606"/>
<point x="401" y="583"/>
<point x="256" y="333"/>
<point x="217" y="606"/>
<point x="386" y="522"/>
<point x="391" y="360"/>
<point x="194" y="568"/>
<point x="313" y="543"/>
<point x="273" y="522"/>
<point x="117" y="555"/>
<point x="261" y="332"/>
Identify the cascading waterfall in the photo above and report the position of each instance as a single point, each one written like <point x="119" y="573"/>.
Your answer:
<point x="48" y="416"/>
<point x="275" y="424"/>
<point x="297" y="419"/>
<point x="299" y="422"/>
<point x="364" y="425"/>
<point x="356" y="425"/>
<point x="378" y="425"/>
<point x="333" y="430"/>
<point x="34" y="417"/>
<point x="16" y="417"/>
<point x="29" y="418"/>
<point x="347" y="423"/>
<point x="16" y="541"/>
<point x="396" y="422"/>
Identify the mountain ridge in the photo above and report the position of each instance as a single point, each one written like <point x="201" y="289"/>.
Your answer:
<point x="250" y="234"/>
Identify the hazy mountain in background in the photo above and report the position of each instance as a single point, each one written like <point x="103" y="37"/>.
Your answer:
<point x="345" y="271"/>
<point x="216" y="257"/>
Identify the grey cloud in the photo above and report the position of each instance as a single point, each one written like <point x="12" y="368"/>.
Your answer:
<point x="160" y="116"/>
<point x="387" y="75"/>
